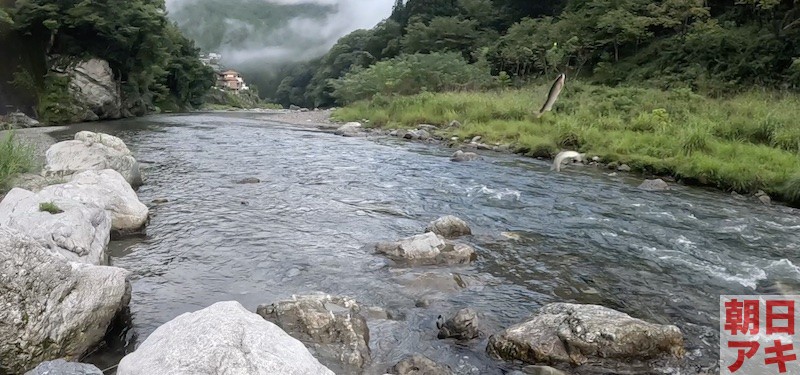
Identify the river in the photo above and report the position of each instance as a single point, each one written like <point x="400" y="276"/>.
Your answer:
<point x="581" y="235"/>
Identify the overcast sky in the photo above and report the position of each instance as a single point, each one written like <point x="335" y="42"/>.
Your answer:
<point x="303" y="38"/>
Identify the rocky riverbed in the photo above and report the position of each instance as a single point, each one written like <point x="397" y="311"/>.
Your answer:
<point x="96" y="182"/>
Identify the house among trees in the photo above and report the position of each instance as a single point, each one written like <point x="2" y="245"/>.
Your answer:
<point x="231" y="80"/>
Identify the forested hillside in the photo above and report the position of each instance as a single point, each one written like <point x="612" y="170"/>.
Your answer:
<point x="713" y="47"/>
<point x="152" y="62"/>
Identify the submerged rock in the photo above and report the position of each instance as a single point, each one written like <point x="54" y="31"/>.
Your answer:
<point x="576" y="334"/>
<point x="654" y="185"/>
<point x="464" y="156"/>
<point x="221" y="338"/>
<point x="107" y="189"/>
<point x="349" y="129"/>
<point x="428" y="248"/>
<point x="62" y="367"/>
<point x="330" y="326"/>
<point x="249" y="180"/>
<point x="70" y="157"/>
<point x="418" y="364"/>
<point x="449" y="227"/>
<point x="52" y="308"/>
<point x="463" y="325"/>
<point x="763" y="198"/>
<point x="79" y="232"/>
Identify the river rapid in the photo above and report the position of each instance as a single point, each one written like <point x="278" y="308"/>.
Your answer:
<point x="583" y="235"/>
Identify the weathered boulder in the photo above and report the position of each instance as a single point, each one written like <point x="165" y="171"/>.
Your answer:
<point x="654" y="185"/>
<point x="62" y="367"/>
<point x="464" y="156"/>
<point x="576" y="334"/>
<point x="52" y="308"/>
<point x="79" y="233"/>
<point x="35" y="182"/>
<point x="449" y="227"/>
<point x="104" y="139"/>
<point x="70" y="157"/>
<point x="419" y="134"/>
<point x="93" y="86"/>
<point x="19" y="120"/>
<point x="418" y="364"/>
<point x="330" y="326"/>
<point x="763" y="197"/>
<point x="222" y="338"/>
<point x="427" y="248"/>
<point x="349" y="129"/>
<point x="464" y="325"/>
<point x="105" y="188"/>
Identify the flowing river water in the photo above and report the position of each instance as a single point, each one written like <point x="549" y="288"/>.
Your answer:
<point x="582" y="235"/>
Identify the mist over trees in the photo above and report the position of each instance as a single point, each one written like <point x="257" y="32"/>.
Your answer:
<point x="715" y="46"/>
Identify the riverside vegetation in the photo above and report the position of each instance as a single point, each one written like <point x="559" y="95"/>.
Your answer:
<point x="705" y="91"/>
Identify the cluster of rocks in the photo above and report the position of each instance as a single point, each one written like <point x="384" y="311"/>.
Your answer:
<point x="18" y="120"/>
<point x="60" y="296"/>
<point x="435" y="246"/>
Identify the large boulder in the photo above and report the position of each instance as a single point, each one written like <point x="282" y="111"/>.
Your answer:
<point x="93" y="86"/>
<point x="79" y="232"/>
<point x="19" y="120"/>
<point x="577" y="334"/>
<point x="52" y="308"/>
<point x="350" y="129"/>
<point x="62" y="367"/>
<point x="449" y="227"/>
<point x="222" y="338"/>
<point x="330" y="326"/>
<point x="105" y="139"/>
<point x="427" y="248"/>
<point x="70" y="157"/>
<point x="105" y="188"/>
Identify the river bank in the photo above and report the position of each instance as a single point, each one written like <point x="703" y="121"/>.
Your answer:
<point x="741" y="144"/>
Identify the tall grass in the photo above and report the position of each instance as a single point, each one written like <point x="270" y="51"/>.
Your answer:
<point x="14" y="158"/>
<point x="744" y="143"/>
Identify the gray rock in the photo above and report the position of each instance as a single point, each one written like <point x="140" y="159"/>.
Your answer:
<point x="393" y="133"/>
<point x="70" y="157"/>
<point x="542" y="370"/>
<point x="222" y="338"/>
<point x="294" y="107"/>
<point x="92" y="84"/>
<point x="464" y="325"/>
<point x="62" y="367"/>
<point x="483" y="146"/>
<point x="577" y="334"/>
<point x="428" y="248"/>
<point x="107" y="189"/>
<point x="35" y="182"/>
<point x="52" y="308"/>
<point x="417" y="135"/>
<point x="350" y="129"/>
<point x="449" y="227"/>
<point x="330" y="326"/>
<point x="624" y="168"/>
<point x="654" y="185"/>
<point x="19" y="120"/>
<point x="104" y="139"/>
<point x="464" y="156"/>
<point x="596" y="159"/>
<point x="79" y="233"/>
<point x="454" y="124"/>
<point x="427" y="127"/>
<point x="249" y="180"/>
<point x="763" y="197"/>
<point x="476" y="139"/>
<point x="418" y="364"/>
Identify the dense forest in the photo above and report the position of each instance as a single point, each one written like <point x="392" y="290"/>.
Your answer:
<point x="154" y="64"/>
<point x="714" y="47"/>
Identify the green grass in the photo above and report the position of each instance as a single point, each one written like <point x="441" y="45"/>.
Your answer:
<point x="50" y="207"/>
<point x="742" y="143"/>
<point x="14" y="158"/>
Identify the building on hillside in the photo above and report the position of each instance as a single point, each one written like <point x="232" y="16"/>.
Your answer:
<point x="231" y="80"/>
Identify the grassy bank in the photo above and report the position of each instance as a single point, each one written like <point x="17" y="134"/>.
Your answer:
<point x="744" y="143"/>
<point x="14" y="158"/>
